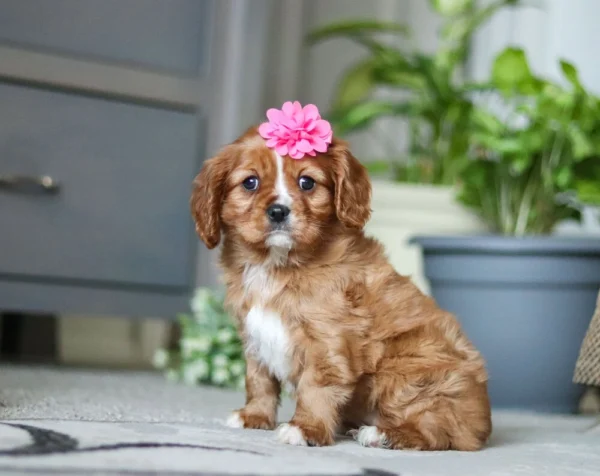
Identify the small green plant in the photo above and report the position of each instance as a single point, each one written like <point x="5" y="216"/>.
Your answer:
<point x="435" y="96"/>
<point x="209" y="351"/>
<point x="537" y="156"/>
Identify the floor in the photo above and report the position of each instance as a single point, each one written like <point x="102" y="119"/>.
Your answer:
<point x="91" y="422"/>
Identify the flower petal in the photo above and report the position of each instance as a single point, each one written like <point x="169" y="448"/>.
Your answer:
<point x="272" y="142"/>
<point x="288" y="123"/>
<point x="296" y="131"/>
<point x="309" y="124"/>
<point x="282" y="149"/>
<point x="299" y="119"/>
<point x="293" y="148"/>
<point x="319" y="144"/>
<point x="274" y="115"/>
<point x="288" y="109"/>
<point x="304" y="146"/>
<point x="322" y="128"/>
<point x="311" y="112"/>
<point x="266" y="129"/>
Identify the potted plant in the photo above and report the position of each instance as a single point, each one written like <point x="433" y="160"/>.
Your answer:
<point x="412" y="190"/>
<point x="208" y="350"/>
<point x="524" y="294"/>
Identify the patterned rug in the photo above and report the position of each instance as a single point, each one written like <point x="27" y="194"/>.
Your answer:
<point x="90" y="423"/>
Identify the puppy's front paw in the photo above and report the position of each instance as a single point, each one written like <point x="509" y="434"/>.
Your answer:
<point x="291" y="435"/>
<point x="300" y="435"/>
<point x="369" y="436"/>
<point x="250" y="420"/>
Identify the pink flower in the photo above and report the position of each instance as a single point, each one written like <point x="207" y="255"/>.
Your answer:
<point x="296" y="131"/>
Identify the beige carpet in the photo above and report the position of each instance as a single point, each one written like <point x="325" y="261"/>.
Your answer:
<point x="85" y="422"/>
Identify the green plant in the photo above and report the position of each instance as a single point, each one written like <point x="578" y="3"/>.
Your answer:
<point x="530" y="164"/>
<point x="438" y="104"/>
<point x="209" y="351"/>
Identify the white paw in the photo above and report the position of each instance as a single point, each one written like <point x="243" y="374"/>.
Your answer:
<point x="234" y="421"/>
<point x="290" y="435"/>
<point x="369" y="436"/>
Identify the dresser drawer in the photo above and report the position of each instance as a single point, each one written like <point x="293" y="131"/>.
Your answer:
<point x="161" y="34"/>
<point x="121" y="215"/>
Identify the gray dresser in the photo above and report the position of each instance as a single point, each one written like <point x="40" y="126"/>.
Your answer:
<point x="102" y="129"/>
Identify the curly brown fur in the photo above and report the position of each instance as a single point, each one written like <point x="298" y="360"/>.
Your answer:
<point x="319" y="307"/>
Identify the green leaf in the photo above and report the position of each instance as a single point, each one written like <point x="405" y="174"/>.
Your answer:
<point x="450" y="8"/>
<point x="399" y="79"/>
<point x="520" y="164"/>
<point x="477" y="87"/>
<point x="570" y="72"/>
<point x="510" y="67"/>
<point x="377" y="167"/>
<point x="356" y="83"/>
<point x="588" y="169"/>
<point x="487" y="121"/>
<point x="355" y="27"/>
<point x="457" y="30"/>
<point x="501" y="145"/>
<point x="532" y="139"/>
<point x="563" y="177"/>
<point x="586" y="111"/>
<point x="437" y="80"/>
<point x="511" y="71"/>
<point x="476" y="179"/>
<point x="581" y="144"/>
<point x="386" y="54"/>
<point x="402" y="71"/>
<point x="446" y="58"/>
<point x="586" y="180"/>
<point x="588" y="191"/>
<point x="361" y="115"/>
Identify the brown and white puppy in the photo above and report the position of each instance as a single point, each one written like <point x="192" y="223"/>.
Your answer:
<point x="319" y="307"/>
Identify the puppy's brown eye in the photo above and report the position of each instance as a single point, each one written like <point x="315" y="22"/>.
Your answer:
<point x="251" y="183"/>
<point x="306" y="183"/>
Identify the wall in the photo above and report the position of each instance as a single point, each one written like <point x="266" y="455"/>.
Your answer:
<point x="548" y="30"/>
<point x="572" y="32"/>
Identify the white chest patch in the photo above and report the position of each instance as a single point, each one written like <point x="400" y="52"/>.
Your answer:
<point x="268" y="341"/>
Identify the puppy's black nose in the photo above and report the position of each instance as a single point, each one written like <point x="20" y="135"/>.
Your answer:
<point x="277" y="213"/>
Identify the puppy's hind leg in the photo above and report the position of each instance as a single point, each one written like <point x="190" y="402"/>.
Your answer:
<point x="433" y="424"/>
<point x="424" y="433"/>
<point x="406" y="436"/>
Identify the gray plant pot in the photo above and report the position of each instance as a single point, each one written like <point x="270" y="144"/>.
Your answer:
<point x="526" y="303"/>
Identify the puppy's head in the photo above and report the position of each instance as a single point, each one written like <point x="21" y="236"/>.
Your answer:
<point x="253" y="195"/>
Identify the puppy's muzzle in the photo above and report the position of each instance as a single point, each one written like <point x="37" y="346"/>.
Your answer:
<point x="278" y="213"/>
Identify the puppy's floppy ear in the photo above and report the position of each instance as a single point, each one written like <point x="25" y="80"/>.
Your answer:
<point x="207" y="196"/>
<point x="352" y="187"/>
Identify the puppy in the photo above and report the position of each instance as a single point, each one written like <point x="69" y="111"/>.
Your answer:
<point x="320" y="308"/>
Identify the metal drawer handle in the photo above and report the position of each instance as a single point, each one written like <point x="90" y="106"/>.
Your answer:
<point x="32" y="185"/>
